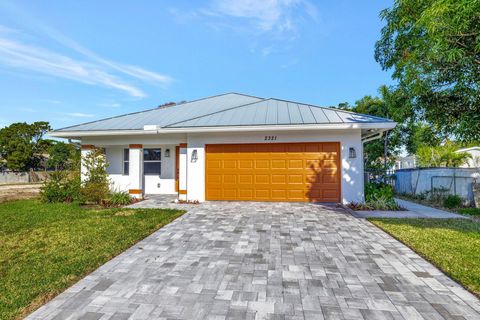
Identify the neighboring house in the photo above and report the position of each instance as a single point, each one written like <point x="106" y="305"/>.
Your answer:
<point x="406" y="162"/>
<point x="235" y="147"/>
<point x="474" y="161"/>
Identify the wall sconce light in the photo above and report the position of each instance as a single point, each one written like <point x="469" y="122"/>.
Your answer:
<point x="167" y="153"/>
<point x="352" y="154"/>
<point x="194" y="155"/>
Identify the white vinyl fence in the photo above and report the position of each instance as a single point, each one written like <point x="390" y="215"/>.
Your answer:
<point x="456" y="181"/>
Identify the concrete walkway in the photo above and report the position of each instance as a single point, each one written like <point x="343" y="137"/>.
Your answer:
<point x="245" y="260"/>
<point x="414" y="210"/>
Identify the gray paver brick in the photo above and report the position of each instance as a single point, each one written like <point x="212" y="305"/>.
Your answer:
<point x="245" y="260"/>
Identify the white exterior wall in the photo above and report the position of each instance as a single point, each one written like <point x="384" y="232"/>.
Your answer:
<point x="352" y="169"/>
<point x="165" y="183"/>
<point x="193" y="174"/>
<point x="119" y="181"/>
<point x="151" y="184"/>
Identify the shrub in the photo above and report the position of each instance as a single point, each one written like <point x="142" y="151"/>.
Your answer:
<point x="95" y="186"/>
<point x="380" y="196"/>
<point x="375" y="191"/>
<point x="470" y="211"/>
<point x="452" y="201"/>
<point x="94" y="192"/>
<point x="61" y="186"/>
<point x="119" y="199"/>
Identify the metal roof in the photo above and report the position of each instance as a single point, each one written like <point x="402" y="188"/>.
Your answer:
<point x="231" y="109"/>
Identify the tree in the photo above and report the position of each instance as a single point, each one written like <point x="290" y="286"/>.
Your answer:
<point x="441" y="156"/>
<point x="420" y="134"/>
<point x="383" y="106"/>
<point x="22" y="145"/>
<point x="62" y="155"/>
<point x="433" y="47"/>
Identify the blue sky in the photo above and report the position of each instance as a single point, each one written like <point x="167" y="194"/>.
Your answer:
<point x="68" y="62"/>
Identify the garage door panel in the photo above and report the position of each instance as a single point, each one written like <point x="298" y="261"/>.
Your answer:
<point x="214" y="164"/>
<point x="273" y="172"/>
<point x="262" y="164"/>
<point x="295" y="164"/>
<point x="329" y="178"/>
<point x="245" y="164"/>
<point x="278" y="178"/>
<point x="230" y="179"/>
<point x="262" y="179"/>
<point x="214" y="178"/>
<point x="295" y="178"/>
<point x="229" y="193"/>
<point x="296" y="194"/>
<point x="278" y="164"/>
<point x="245" y="179"/>
<point x="277" y="194"/>
<point x="230" y="164"/>
<point x="262" y="194"/>
<point x="330" y="194"/>
<point x="246" y="194"/>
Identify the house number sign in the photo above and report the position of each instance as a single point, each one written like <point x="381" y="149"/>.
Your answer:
<point x="270" y="138"/>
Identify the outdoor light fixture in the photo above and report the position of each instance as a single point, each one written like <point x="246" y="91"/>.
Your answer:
<point x="352" y="154"/>
<point x="194" y="155"/>
<point x="167" y="153"/>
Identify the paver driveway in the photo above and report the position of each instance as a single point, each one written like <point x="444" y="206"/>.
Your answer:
<point x="265" y="260"/>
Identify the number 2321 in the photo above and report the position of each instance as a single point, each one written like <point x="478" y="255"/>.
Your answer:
<point x="270" y="138"/>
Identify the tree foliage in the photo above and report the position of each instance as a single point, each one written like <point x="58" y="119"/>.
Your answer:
<point x="433" y="47"/>
<point x="22" y="146"/>
<point x="383" y="106"/>
<point x="62" y="156"/>
<point x="441" y="156"/>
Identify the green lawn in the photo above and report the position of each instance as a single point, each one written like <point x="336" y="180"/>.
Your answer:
<point x="453" y="245"/>
<point x="44" y="248"/>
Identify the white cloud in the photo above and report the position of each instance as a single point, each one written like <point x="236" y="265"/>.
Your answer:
<point x="267" y="15"/>
<point x="92" y="69"/>
<point x="16" y="54"/>
<point x="79" y="115"/>
<point x="134" y="71"/>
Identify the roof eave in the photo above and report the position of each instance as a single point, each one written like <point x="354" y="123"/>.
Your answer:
<point x="302" y="127"/>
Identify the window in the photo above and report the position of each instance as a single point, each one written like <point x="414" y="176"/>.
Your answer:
<point x="152" y="161"/>
<point x="126" y="160"/>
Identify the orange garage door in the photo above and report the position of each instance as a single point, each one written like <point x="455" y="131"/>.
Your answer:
<point x="273" y="172"/>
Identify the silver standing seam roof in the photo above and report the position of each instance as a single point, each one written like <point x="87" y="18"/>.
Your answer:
<point x="230" y="109"/>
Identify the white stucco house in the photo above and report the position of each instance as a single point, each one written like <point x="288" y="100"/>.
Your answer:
<point x="474" y="161"/>
<point x="406" y="162"/>
<point x="235" y="147"/>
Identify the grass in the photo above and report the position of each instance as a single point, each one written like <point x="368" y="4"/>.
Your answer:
<point x="44" y="248"/>
<point x="453" y="245"/>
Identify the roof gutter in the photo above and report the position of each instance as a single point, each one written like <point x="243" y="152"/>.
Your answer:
<point x="157" y="130"/>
